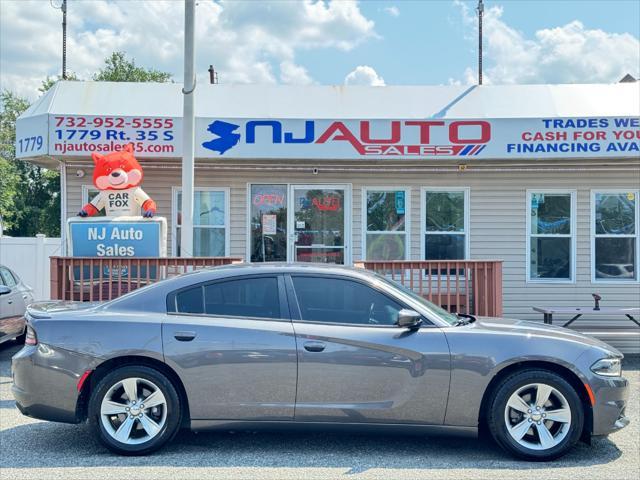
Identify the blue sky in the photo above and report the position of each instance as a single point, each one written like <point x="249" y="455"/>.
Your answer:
<point x="330" y="42"/>
<point x="427" y="43"/>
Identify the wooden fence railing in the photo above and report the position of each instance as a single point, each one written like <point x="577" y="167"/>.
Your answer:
<point x="462" y="286"/>
<point x="99" y="279"/>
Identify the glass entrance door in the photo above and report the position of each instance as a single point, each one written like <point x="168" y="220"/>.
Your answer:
<point x="268" y="223"/>
<point x="317" y="222"/>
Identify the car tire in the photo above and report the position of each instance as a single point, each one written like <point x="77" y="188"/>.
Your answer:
<point x="126" y="426"/>
<point x="527" y="426"/>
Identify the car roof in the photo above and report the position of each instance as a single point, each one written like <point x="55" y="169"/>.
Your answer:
<point x="282" y="267"/>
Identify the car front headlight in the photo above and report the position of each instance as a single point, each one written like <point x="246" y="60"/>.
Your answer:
<point x="607" y="367"/>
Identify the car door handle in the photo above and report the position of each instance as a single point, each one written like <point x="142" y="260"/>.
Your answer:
<point x="184" y="336"/>
<point x="314" y="346"/>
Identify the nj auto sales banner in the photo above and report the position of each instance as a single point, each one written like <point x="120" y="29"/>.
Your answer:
<point x="428" y="139"/>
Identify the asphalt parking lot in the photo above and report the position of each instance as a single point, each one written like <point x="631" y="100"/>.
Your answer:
<point x="31" y="449"/>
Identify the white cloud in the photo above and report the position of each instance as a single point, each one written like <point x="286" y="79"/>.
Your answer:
<point x="392" y="10"/>
<point x="570" y="53"/>
<point x="247" y="42"/>
<point x="294" y="74"/>
<point x="469" y="77"/>
<point x="364" y="75"/>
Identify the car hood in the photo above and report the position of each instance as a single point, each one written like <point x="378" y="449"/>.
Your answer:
<point x="537" y="329"/>
<point x="46" y="309"/>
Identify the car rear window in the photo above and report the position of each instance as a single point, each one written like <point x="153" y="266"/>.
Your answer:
<point x="190" y="301"/>
<point x="247" y="297"/>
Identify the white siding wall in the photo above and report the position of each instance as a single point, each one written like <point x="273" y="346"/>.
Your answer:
<point x="497" y="221"/>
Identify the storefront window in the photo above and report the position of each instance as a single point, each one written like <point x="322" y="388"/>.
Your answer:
<point x="386" y="230"/>
<point x="209" y="222"/>
<point x="268" y="223"/>
<point x="445" y="224"/>
<point x="551" y="230"/>
<point x="615" y="239"/>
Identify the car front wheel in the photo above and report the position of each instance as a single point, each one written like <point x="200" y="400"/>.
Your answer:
<point x="536" y="415"/>
<point x="134" y="410"/>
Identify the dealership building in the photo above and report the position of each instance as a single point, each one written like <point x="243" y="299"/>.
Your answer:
<point x="545" y="178"/>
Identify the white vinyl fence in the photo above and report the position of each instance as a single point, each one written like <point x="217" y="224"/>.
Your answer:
<point x="29" y="258"/>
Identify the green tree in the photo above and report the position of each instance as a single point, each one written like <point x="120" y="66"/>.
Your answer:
<point x="49" y="82"/>
<point x="118" y="68"/>
<point x="12" y="106"/>
<point x="29" y="194"/>
<point x="8" y="188"/>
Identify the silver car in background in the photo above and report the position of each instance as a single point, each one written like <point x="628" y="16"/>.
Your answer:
<point x="14" y="298"/>
<point x="276" y="346"/>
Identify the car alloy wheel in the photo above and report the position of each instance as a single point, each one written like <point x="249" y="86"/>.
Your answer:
<point x="535" y="414"/>
<point x="133" y="411"/>
<point x="538" y="416"/>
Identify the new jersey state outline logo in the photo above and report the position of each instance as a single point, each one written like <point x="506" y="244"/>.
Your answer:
<point x="226" y="140"/>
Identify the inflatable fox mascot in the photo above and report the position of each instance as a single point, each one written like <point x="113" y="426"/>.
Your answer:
<point x="118" y="176"/>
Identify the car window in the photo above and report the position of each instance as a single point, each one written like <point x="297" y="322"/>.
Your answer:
<point x="334" y="300"/>
<point x="190" y="301"/>
<point x="247" y="297"/>
<point x="7" y="278"/>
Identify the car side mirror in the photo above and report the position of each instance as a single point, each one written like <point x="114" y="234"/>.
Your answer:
<point x="4" y="290"/>
<point x="408" y="318"/>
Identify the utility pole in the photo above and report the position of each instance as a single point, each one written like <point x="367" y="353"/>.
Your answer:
<point x="64" y="39"/>
<point x="213" y="75"/>
<point x="188" y="121"/>
<point x="480" y="10"/>
<point x="63" y="7"/>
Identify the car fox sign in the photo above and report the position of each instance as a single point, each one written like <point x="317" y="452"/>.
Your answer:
<point x="118" y="176"/>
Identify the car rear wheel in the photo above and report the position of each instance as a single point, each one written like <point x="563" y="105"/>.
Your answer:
<point x="536" y="415"/>
<point x="135" y="410"/>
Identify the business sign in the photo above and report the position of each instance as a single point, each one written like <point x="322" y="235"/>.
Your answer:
<point x="326" y="139"/>
<point x="419" y="139"/>
<point x="119" y="237"/>
<point x="82" y="135"/>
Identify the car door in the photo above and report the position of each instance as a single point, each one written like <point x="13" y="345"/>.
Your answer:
<point x="12" y="305"/>
<point x="355" y="364"/>
<point x="232" y="343"/>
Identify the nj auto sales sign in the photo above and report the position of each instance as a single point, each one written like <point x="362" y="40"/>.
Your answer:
<point x="419" y="139"/>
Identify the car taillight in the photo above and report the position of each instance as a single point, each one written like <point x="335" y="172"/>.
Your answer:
<point x="30" y="337"/>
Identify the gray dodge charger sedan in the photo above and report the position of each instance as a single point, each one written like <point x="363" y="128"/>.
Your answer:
<point x="246" y="346"/>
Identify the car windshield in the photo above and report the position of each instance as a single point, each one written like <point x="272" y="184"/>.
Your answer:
<point x="450" y="318"/>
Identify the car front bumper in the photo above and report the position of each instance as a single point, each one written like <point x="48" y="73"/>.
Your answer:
<point x="611" y="396"/>
<point x="45" y="382"/>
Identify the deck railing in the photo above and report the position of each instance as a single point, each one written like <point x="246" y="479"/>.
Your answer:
<point x="99" y="279"/>
<point x="461" y="286"/>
